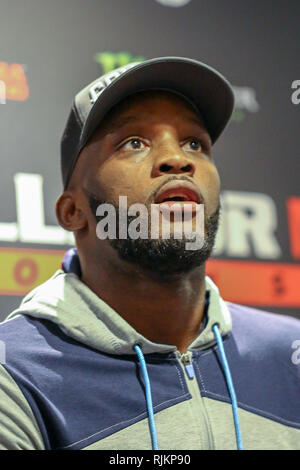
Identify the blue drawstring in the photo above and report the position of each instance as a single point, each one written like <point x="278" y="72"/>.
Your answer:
<point x="71" y="264"/>
<point x="148" y="396"/>
<point x="230" y="387"/>
<point x="228" y="380"/>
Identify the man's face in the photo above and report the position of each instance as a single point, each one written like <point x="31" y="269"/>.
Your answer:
<point x="145" y="142"/>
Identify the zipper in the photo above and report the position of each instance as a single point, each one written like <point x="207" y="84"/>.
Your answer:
<point x="199" y="409"/>
<point x="186" y="359"/>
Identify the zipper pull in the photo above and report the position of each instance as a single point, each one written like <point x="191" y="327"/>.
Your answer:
<point x="187" y="362"/>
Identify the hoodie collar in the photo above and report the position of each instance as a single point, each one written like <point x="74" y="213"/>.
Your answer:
<point x="65" y="300"/>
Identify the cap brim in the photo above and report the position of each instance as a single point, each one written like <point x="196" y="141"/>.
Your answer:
<point x="206" y="88"/>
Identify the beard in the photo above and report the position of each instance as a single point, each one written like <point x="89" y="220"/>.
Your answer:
<point x="162" y="258"/>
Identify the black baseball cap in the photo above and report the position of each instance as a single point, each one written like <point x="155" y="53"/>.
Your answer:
<point x="204" y="87"/>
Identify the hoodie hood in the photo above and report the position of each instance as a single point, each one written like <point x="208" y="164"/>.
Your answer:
<point x="65" y="300"/>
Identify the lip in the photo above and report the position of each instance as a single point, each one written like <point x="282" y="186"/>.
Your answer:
<point x="176" y="188"/>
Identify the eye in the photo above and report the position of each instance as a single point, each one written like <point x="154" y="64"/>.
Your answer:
<point x="194" y="144"/>
<point x="133" y="144"/>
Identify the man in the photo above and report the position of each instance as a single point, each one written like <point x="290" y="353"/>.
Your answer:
<point x="130" y="345"/>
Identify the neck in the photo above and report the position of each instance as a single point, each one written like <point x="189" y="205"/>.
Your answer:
<point x="163" y="311"/>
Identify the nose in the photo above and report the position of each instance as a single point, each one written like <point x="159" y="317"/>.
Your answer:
<point x="173" y="162"/>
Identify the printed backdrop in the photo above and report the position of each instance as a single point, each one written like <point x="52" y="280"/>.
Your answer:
<point x="50" y="50"/>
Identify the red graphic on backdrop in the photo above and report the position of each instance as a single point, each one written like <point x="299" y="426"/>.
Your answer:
<point x="14" y="78"/>
<point x="293" y="211"/>
<point x="26" y="271"/>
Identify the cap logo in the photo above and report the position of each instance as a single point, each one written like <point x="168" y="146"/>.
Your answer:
<point x="98" y="87"/>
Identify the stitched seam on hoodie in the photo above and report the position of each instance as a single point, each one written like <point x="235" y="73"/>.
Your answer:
<point x="121" y="422"/>
<point x="153" y="360"/>
<point x="200" y="377"/>
<point x="180" y="378"/>
<point x="249" y="408"/>
<point x="208" y="420"/>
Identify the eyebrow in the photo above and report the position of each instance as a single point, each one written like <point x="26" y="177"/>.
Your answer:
<point x="123" y="121"/>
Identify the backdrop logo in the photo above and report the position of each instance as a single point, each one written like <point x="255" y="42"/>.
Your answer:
<point x="245" y="102"/>
<point x="245" y="97"/>
<point x="173" y="3"/>
<point x="248" y="229"/>
<point x="112" y="60"/>
<point x="248" y="224"/>
<point x="15" y="84"/>
<point x="2" y="92"/>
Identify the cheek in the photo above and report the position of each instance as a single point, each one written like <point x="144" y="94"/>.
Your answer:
<point x="208" y="180"/>
<point x="119" y="178"/>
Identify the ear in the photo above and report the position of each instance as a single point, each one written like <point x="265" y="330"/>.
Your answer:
<point x="69" y="215"/>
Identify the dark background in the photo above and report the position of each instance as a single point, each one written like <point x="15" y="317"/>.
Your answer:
<point x="253" y="43"/>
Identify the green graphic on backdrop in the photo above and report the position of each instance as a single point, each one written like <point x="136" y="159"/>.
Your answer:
<point x="245" y="96"/>
<point x="112" y="60"/>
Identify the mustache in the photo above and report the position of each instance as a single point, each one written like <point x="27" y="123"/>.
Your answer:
<point x="95" y="201"/>
<point x="152" y="196"/>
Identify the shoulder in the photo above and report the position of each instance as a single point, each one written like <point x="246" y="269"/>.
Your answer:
<point x="257" y="320"/>
<point x="17" y="333"/>
<point x="21" y="333"/>
<point x="33" y="348"/>
<point x="18" y="425"/>
<point x="260" y="330"/>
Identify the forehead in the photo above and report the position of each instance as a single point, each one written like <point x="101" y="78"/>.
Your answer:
<point x="150" y="96"/>
<point x="149" y="100"/>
